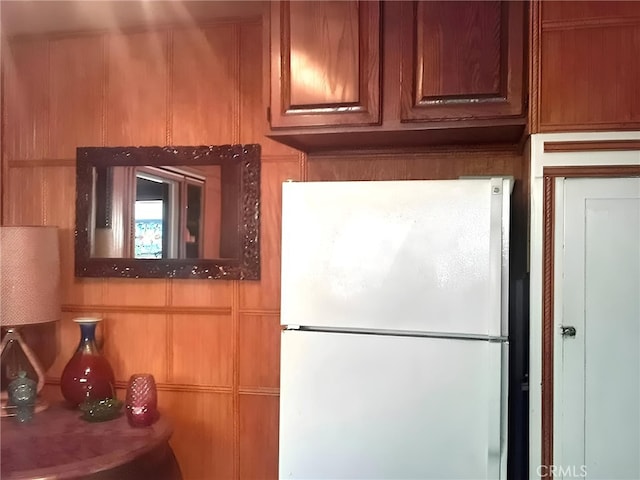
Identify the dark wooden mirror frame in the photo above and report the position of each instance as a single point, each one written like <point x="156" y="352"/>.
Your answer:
<point x="247" y="231"/>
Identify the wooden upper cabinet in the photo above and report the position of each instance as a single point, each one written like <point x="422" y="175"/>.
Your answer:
<point x="461" y="60"/>
<point x="369" y="74"/>
<point x="325" y="63"/>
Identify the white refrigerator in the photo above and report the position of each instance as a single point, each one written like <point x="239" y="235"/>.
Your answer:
<point x="394" y="329"/>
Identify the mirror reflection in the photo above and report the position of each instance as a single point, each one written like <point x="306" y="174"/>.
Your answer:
<point x="147" y="214"/>
<point x="159" y="212"/>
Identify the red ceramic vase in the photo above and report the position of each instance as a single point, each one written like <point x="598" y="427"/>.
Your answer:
<point x="88" y="374"/>
<point x="142" y="400"/>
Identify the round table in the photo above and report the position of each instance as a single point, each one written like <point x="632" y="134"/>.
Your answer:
<point x="58" y="444"/>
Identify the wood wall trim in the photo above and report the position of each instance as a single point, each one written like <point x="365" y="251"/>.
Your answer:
<point x="3" y="121"/>
<point x="591" y="146"/>
<point x="134" y="29"/>
<point x="534" y="66"/>
<point x="42" y="162"/>
<point x="168" y="96"/>
<point x="71" y="162"/>
<point x="235" y="327"/>
<point x="169" y="310"/>
<point x="173" y="387"/>
<point x="547" y="320"/>
<point x="160" y="310"/>
<point x="549" y="127"/>
<point x="237" y="72"/>
<point x="551" y="25"/>
<point x="592" y="171"/>
<point x="259" y="312"/>
<point x="164" y="387"/>
<point x="273" y="392"/>
<point x="443" y="151"/>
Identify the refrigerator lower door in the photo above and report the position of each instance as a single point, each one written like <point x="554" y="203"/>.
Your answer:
<point x="358" y="406"/>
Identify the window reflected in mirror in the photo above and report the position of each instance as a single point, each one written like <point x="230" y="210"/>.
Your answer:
<point x="163" y="215"/>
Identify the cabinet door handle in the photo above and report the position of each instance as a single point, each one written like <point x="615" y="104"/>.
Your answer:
<point x="568" y="331"/>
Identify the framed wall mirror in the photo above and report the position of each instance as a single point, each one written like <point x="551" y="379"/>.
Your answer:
<point x="168" y="212"/>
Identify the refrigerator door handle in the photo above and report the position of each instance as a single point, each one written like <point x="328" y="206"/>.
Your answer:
<point x="496" y="326"/>
<point x="497" y="441"/>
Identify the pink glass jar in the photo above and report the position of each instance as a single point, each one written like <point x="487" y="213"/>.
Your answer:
<point x="142" y="400"/>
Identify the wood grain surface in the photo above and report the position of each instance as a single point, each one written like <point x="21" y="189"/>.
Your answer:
<point x="213" y="346"/>
<point x="589" y="71"/>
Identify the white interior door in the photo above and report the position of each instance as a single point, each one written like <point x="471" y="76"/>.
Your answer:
<point x="597" y="371"/>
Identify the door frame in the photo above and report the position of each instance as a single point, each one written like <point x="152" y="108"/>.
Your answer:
<point x="553" y="157"/>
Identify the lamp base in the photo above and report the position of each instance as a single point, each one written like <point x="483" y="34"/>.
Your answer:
<point x="10" y="410"/>
<point x="12" y="362"/>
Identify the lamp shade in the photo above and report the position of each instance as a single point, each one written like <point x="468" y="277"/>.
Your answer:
<point x="29" y="275"/>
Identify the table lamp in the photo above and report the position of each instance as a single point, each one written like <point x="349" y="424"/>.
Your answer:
<point x="29" y="294"/>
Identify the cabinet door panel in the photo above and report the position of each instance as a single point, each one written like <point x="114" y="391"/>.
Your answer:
<point x="325" y="63"/>
<point x="461" y="60"/>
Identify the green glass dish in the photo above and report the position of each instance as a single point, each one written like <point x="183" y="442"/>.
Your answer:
<point x="101" y="410"/>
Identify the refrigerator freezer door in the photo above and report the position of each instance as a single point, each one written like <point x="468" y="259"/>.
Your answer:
<point x="380" y="407"/>
<point x="426" y="256"/>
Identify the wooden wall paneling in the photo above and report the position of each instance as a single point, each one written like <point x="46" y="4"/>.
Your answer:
<point x="586" y="10"/>
<point x="3" y="165"/>
<point x="204" y="86"/>
<point x="355" y="167"/>
<point x="135" y="292"/>
<point x="77" y="69"/>
<point x="136" y="114"/>
<point x="122" y="95"/>
<point x="136" y="90"/>
<point x="202" y="350"/>
<point x="252" y="79"/>
<point x="59" y="196"/>
<point x="24" y="196"/>
<point x="456" y="163"/>
<point x="265" y="294"/>
<point x="259" y="351"/>
<point x="259" y="417"/>
<point x="43" y="341"/>
<point x="211" y="294"/>
<point x="136" y="342"/>
<point x="77" y="291"/>
<point x="202" y="432"/>
<point x="437" y="164"/>
<point x="203" y="110"/>
<point x="588" y="66"/>
<point x="25" y="100"/>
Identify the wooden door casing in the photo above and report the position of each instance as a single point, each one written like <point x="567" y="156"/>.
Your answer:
<point x="548" y="258"/>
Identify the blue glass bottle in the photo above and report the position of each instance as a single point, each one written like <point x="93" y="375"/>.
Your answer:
<point x="88" y="375"/>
